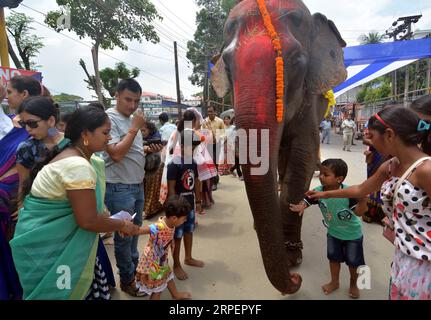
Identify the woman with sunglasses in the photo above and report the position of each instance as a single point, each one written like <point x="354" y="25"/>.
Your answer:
<point x="11" y="135"/>
<point x="56" y="239"/>
<point x="39" y="118"/>
<point x="38" y="115"/>
<point x="405" y="184"/>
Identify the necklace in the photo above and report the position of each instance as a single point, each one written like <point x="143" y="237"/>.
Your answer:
<point x="82" y="153"/>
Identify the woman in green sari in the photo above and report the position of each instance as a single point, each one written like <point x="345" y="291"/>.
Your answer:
<point x="55" y="243"/>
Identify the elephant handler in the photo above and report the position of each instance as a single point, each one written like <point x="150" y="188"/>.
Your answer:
<point x="217" y="127"/>
<point x="348" y="127"/>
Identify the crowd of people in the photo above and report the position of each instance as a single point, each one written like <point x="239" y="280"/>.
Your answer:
<point x="64" y="178"/>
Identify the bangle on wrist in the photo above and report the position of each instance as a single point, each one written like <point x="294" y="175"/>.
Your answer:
<point x="133" y="130"/>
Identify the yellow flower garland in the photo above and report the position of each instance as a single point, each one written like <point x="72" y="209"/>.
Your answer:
<point x="279" y="62"/>
<point x="331" y="101"/>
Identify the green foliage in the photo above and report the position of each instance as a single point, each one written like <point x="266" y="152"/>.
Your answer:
<point x="375" y="90"/>
<point x="371" y="38"/>
<point x="28" y="45"/>
<point x="208" y="38"/>
<point x="111" y="76"/>
<point x="64" y="97"/>
<point x="108" y="22"/>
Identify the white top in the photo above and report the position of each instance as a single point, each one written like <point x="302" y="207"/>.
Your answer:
<point x="55" y="179"/>
<point x="348" y="126"/>
<point x="6" y="124"/>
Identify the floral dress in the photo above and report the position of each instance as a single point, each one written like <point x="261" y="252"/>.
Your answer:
<point x="411" y="267"/>
<point x="153" y="272"/>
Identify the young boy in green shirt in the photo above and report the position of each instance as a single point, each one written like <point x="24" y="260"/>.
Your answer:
<point x="344" y="238"/>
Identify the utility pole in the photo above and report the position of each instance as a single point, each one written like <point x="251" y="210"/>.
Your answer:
<point x="429" y="76"/>
<point x="4" y="49"/>
<point x="177" y="76"/>
<point x="205" y="93"/>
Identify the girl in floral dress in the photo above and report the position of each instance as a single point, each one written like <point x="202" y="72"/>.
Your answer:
<point x="405" y="184"/>
<point x="153" y="272"/>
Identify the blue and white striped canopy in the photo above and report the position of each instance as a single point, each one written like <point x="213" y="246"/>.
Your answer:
<point x="368" y="62"/>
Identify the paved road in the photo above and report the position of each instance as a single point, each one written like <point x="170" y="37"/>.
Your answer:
<point x="227" y="243"/>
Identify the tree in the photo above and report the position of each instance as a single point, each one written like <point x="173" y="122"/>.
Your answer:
<point x="109" y="77"/>
<point x="64" y="97"/>
<point x="208" y="37"/>
<point x="371" y="38"/>
<point x="91" y="79"/>
<point x="375" y="90"/>
<point x="28" y="45"/>
<point x="109" y="23"/>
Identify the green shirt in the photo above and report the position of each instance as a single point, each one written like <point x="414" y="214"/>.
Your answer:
<point x="342" y="222"/>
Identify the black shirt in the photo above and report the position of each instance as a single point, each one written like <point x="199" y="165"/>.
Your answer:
<point x="185" y="176"/>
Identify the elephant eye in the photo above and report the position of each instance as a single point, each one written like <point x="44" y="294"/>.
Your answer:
<point x="332" y="53"/>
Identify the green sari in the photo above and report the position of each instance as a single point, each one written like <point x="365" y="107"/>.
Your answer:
<point x="53" y="256"/>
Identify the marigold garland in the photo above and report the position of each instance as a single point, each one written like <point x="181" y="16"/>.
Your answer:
<point x="279" y="63"/>
<point x="331" y="101"/>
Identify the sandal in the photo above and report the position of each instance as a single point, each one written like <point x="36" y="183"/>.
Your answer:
<point x="132" y="289"/>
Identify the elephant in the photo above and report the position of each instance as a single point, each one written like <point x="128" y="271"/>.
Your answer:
<point x="313" y="64"/>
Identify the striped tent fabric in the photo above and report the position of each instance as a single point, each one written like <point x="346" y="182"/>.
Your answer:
<point x="368" y="62"/>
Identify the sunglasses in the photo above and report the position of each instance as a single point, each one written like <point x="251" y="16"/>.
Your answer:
<point x="30" y="123"/>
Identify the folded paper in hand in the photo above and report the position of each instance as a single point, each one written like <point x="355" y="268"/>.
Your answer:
<point x="123" y="215"/>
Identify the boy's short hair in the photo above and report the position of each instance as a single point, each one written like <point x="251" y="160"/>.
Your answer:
<point x="177" y="206"/>
<point x="337" y="166"/>
<point x="65" y="116"/>
<point x="97" y="104"/>
<point x="164" y="117"/>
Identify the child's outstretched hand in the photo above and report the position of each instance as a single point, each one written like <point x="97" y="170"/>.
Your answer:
<point x="299" y="208"/>
<point x="316" y="195"/>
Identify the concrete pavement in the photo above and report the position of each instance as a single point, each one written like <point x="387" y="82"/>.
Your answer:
<point x="226" y="241"/>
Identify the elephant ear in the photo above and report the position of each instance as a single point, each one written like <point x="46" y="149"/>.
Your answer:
<point x="219" y="79"/>
<point x="326" y="64"/>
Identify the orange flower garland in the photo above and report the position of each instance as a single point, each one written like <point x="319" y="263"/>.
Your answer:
<point x="279" y="63"/>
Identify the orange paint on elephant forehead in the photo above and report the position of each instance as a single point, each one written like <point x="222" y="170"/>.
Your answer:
<point x="257" y="53"/>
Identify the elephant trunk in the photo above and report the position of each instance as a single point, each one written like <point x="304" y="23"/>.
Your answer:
<point x="264" y="203"/>
<point x="255" y="108"/>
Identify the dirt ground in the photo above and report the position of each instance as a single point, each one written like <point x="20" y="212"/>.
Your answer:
<point x="226" y="241"/>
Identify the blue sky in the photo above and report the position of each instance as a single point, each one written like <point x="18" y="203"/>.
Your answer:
<point x="59" y="58"/>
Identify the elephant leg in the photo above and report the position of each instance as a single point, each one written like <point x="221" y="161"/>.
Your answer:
<point x="298" y="158"/>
